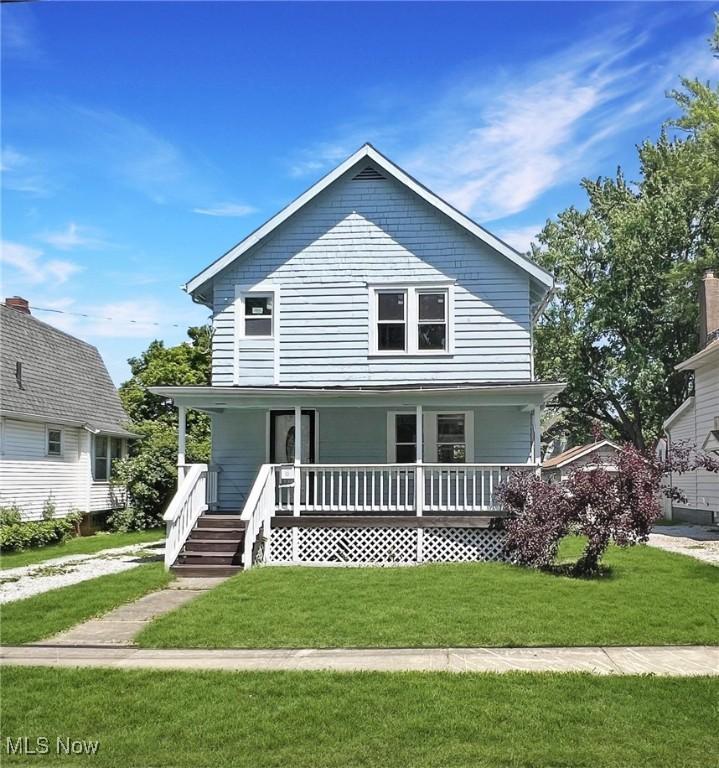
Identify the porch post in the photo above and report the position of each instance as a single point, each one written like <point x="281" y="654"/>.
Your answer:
<point x="536" y="441"/>
<point x="181" y="429"/>
<point x="419" y="478"/>
<point x="297" y="490"/>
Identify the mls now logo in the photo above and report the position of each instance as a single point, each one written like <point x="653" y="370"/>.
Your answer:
<point x="42" y="745"/>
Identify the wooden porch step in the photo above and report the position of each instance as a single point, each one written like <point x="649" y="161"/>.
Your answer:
<point x="220" y="521"/>
<point x="206" y="557"/>
<point x="205" y="571"/>
<point x="213" y="545"/>
<point x="226" y="534"/>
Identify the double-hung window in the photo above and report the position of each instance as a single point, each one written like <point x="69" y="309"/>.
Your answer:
<point x="258" y="315"/>
<point x="451" y="438"/>
<point x="107" y="450"/>
<point x="391" y="321"/>
<point x="54" y="442"/>
<point x="432" y="320"/>
<point x="411" y="320"/>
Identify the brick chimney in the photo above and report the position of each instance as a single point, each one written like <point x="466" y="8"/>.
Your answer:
<point x="708" y="308"/>
<point x="23" y="305"/>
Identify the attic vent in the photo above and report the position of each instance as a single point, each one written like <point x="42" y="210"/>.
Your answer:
<point x="368" y="174"/>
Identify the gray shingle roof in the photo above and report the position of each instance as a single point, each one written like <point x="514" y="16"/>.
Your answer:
<point x="63" y="377"/>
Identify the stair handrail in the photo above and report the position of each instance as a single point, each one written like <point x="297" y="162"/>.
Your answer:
<point x="188" y="503"/>
<point x="257" y="512"/>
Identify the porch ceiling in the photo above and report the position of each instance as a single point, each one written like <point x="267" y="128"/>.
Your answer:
<point x="219" y="398"/>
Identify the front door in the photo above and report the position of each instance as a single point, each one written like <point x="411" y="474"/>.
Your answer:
<point x="282" y="437"/>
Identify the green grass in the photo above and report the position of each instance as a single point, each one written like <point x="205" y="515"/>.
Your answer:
<point x="39" y="617"/>
<point x="373" y="720"/>
<point x="650" y="597"/>
<point x="81" y="545"/>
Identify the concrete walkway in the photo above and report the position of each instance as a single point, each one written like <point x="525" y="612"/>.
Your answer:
<point x="120" y="626"/>
<point x="698" y="541"/>
<point x="681" y="661"/>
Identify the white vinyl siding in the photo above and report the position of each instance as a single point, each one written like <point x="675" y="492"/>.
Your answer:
<point x="29" y="477"/>
<point x="371" y="233"/>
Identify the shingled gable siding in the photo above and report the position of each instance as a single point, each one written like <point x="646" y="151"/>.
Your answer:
<point x="360" y="232"/>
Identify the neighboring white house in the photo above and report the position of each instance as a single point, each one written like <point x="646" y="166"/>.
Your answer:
<point x="696" y="421"/>
<point x="61" y="422"/>
<point x="602" y="452"/>
<point x="372" y="381"/>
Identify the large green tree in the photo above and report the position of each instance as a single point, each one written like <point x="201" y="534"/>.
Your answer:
<point x="150" y="472"/>
<point x="627" y="271"/>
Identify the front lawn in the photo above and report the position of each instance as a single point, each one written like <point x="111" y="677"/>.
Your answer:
<point x="375" y="720"/>
<point x="41" y="616"/>
<point x="81" y="545"/>
<point x="650" y="597"/>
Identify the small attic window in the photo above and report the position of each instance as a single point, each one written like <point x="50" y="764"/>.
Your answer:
<point x="368" y="174"/>
<point x="18" y="373"/>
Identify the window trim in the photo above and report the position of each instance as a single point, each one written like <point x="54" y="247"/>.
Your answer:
<point x="258" y="294"/>
<point x="412" y="291"/>
<point x="52" y="428"/>
<point x="109" y="457"/>
<point x="429" y="433"/>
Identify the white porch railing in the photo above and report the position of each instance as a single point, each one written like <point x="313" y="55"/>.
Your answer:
<point x="393" y="488"/>
<point x="195" y="493"/>
<point x="258" y="511"/>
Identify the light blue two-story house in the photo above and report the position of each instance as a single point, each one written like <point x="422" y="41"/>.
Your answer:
<point x="372" y="382"/>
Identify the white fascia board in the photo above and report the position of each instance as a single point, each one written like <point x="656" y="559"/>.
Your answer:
<point x="368" y="151"/>
<point x="697" y="360"/>
<point x="688" y="403"/>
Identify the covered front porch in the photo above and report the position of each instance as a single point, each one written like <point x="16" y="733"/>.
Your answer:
<point x="407" y="459"/>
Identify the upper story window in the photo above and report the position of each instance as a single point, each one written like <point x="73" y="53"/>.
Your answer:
<point x="106" y="451"/>
<point x="391" y="321"/>
<point x="411" y="320"/>
<point x="258" y="311"/>
<point x="54" y="442"/>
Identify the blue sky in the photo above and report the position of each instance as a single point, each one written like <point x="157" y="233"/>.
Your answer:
<point x="142" y="140"/>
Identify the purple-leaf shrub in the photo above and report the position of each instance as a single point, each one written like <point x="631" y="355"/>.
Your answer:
<point x="616" y="502"/>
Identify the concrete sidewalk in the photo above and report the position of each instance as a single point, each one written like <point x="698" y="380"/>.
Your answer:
<point x="672" y="660"/>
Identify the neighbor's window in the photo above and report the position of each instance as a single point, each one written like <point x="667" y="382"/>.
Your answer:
<point x="107" y="450"/>
<point x="391" y="321"/>
<point x="405" y="438"/>
<point x="451" y="439"/>
<point x="54" y="442"/>
<point x="432" y="320"/>
<point x="258" y="315"/>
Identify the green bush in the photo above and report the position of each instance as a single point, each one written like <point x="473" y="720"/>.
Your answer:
<point x="10" y="515"/>
<point x="16" y="536"/>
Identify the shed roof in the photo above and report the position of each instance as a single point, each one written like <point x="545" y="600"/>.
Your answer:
<point x="572" y="454"/>
<point x="62" y="378"/>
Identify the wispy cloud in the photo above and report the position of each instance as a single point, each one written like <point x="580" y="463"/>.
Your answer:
<point x="21" y="173"/>
<point x="226" y="209"/>
<point x="317" y="158"/>
<point x="494" y="142"/>
<point x="19" y="35"/>
<point x="73" y="237"/>
<point x="520" y="238"/>
<point x="31" y="265"/>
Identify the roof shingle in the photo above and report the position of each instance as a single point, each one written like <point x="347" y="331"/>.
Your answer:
<point x="62" y="377"/>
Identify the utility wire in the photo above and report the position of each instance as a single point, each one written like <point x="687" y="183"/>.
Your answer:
<point x="111" y="319"/>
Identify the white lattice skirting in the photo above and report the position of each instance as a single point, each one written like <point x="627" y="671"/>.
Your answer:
<point x="385" y="546"/>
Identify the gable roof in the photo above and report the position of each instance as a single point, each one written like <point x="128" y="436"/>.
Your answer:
<point x="688" y="403"/>
<point x="700" y="358"/>
<point x="63" y="378"/>
<point x="540" y="276"/>
<point x="572" y="454"/>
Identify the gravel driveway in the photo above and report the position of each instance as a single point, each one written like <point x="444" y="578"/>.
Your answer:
<point x="18" y="583"/>
<point x="698" y="541"/>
